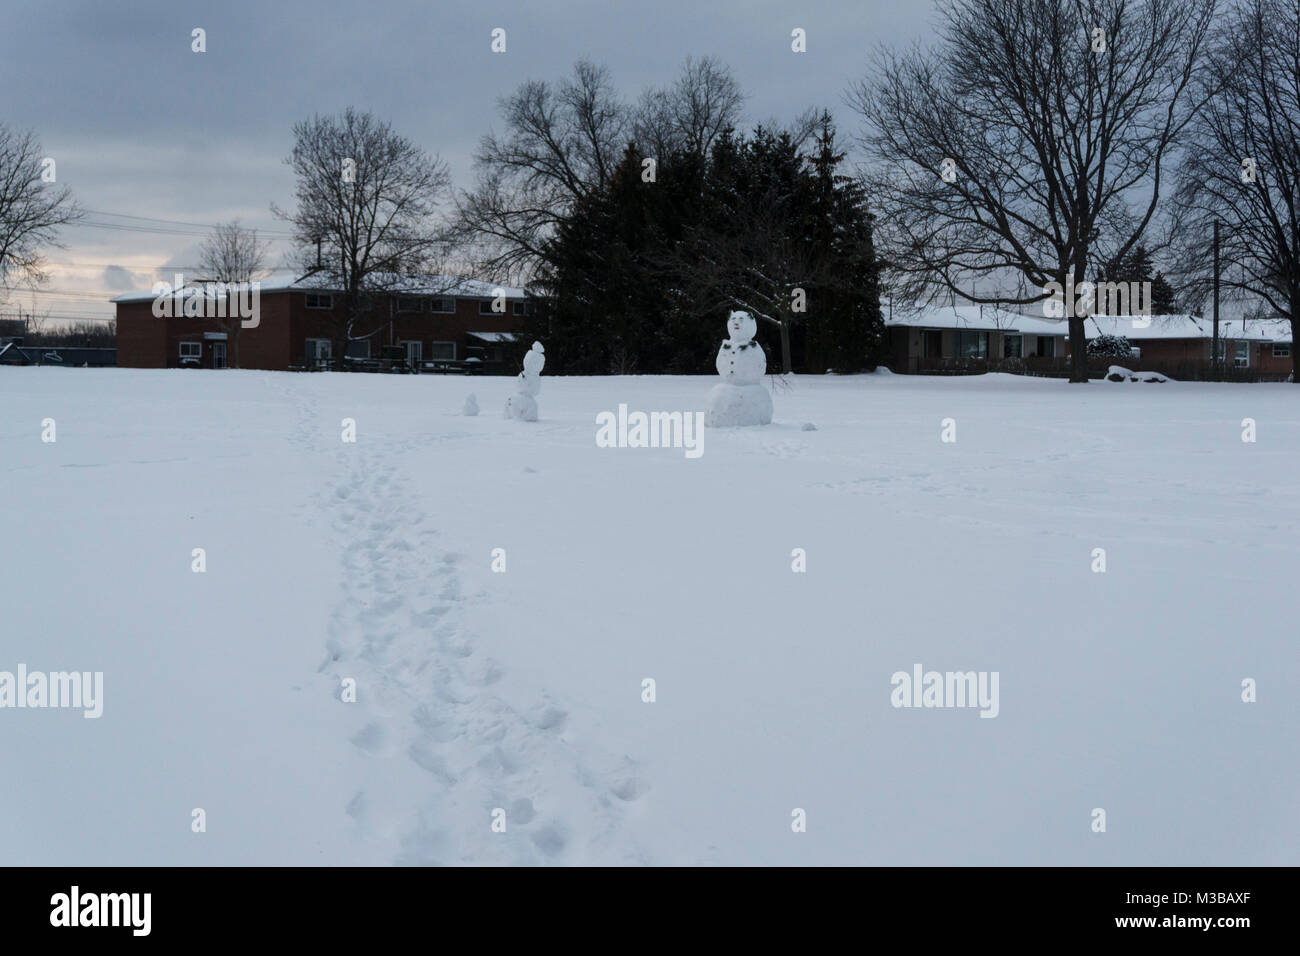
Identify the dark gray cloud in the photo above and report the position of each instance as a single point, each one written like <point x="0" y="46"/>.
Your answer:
<point x="143" y="126"/>
<point x="118" y="279"/>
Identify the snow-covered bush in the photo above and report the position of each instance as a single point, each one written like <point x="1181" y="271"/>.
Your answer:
<point x="1110" y="345"/>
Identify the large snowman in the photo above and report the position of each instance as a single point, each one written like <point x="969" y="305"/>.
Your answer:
<point x="741" y="398"/>
<point x="523" y="404"/>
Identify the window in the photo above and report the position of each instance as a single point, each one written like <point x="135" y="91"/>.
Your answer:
<point x="485" y="307"/>
<point x="359" y="350"/>
<point x="1281" y="350"/>
<point x="1046" y="346"/>
<point x="932" y="344"/>
<point x="443" y="306"/>
<point x="520" y="308"/>
<point x="971" y="345"/>
<point x="1241" y="358"/>
<point x="442" y="351"/>
<point x="191" y="350"/>
<point x="319" y="300"/>
<point x="1013" y="345"/>
<point x="408" y="303"/>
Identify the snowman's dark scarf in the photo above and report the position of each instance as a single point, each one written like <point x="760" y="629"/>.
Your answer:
<point x="740" y="348"/>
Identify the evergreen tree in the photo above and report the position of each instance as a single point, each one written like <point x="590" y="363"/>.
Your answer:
<point x="1138" y="267"/>
<point x="641" y="276"/>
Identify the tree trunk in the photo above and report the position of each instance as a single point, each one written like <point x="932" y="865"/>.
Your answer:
<point x="1295" y="326"/>
<point x="785" y="348"/>
<point x="1078" y="335"/>
<point x="232" y="360"/>
<point x="1078" y="350"/>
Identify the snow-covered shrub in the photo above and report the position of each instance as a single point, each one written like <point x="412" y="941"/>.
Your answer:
<point x="1110" y="345"/>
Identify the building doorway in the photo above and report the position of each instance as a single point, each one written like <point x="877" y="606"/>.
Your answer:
<point x="319" y="353"/>
<point x="218" y="354"/>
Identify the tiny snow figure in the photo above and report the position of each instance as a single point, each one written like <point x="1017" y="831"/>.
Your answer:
<point x="523" y="404"/>
<point x="741" y="398"/>
<point x="471" y="405"/>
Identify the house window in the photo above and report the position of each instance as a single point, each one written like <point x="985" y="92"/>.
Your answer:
<point x="485" y="307"/>
<point x="1013" y="346"/>
<point x="1241" y="357"/>
<point x="971" y="345"/>
<point x="408" y="303"/>
<point x="442" y="306"/>
<point x="932" y="344"/>
<point x="318" y="300"/>
<point x="191" y="350"/>
<point x="359" y="349"/>
<point x="442" y="351"/>
<point x="519" y="308"/>
<point x="1282" y="351"/>
<point x="1046" y="346"/>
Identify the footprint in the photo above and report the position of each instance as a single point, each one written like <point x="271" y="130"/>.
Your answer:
<point x="370" y="738"/>
<point x="552" y="718"/>
<point x="356" y="807"/>
<point x="522" y="811"/>
<point x="432" y="762"/>
<point x="550" y="839"/>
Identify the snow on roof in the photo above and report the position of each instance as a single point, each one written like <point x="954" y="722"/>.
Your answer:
<point x="494" y="336"/>
<point x="1134" y="327"/>
<point x="1138" y="327"/>
<point x="977" y="317"/>
<point x="321" y="282"/>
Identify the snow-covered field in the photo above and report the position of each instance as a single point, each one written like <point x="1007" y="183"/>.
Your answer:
<point x="523" y="690"/>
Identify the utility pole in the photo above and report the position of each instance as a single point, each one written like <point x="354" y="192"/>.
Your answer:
<point x="1214" y="354"/>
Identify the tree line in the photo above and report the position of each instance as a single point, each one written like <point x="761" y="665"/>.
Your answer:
<point x="1030" y="144"/>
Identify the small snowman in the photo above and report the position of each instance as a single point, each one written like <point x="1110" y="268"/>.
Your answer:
<point x="523" y="404"/>
<point x="741" y="398"/>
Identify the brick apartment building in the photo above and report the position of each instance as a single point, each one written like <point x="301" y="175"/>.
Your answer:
<point x="433" y="320"/>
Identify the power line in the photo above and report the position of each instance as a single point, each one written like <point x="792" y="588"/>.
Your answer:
<point x="207" y="226"/>
<point x="72" y="295"/>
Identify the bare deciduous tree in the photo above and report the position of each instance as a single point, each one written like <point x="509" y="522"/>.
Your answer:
<point x="561" y="145"/>
<point x="1245" y="168"/>
<point x="232" y="254"/>
<point x="1030" y="145"/>
<point x="562" y="142"/>
<point x="31" y="209"/>
<point x="689" y="115"/>
<point x="369" y="197"/>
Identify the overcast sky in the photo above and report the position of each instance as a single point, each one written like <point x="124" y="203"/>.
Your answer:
<point x="140" y="125"/>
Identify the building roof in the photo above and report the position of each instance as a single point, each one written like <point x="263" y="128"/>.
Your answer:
<point x="992" y="319"/>
<point x="1137" y="328"/>
<point x="399" y="285"/>
<point x="979" y="318"/>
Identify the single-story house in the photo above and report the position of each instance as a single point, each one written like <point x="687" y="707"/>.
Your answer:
<point x="433" y="319"/>
<point x="944" y="338"/>
<point x="1170" y="341"/>
<point x="984" y="338"/>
